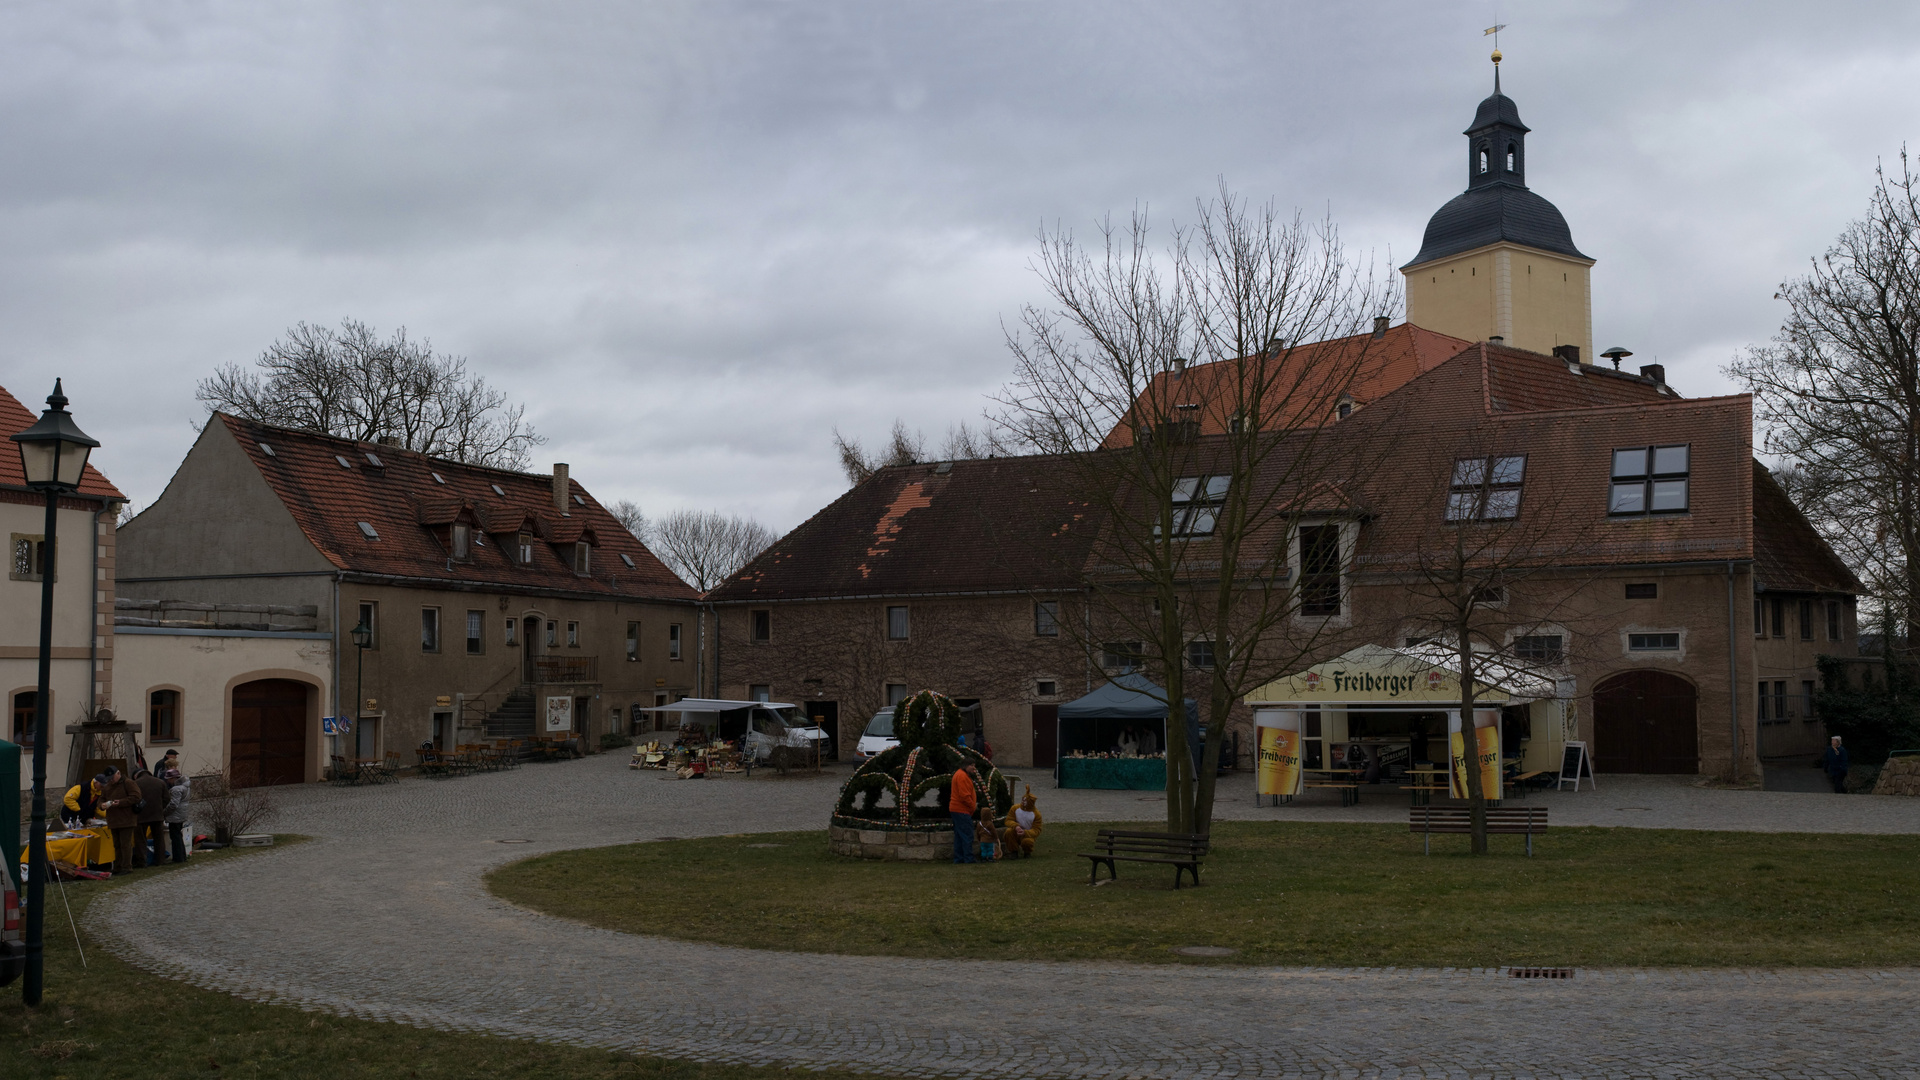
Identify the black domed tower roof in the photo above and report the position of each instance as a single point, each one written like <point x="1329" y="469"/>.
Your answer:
<point x="1497" y="204"/>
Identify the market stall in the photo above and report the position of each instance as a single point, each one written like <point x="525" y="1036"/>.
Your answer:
<point x="718" y="735"/>
<point x="1116" y="737"/>
<point x="1378" y="716"/>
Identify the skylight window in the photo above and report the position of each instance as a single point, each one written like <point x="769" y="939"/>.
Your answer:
<point x="628" y="559"/>
<point x="1649" y="480"/>
<point x="268" y="450"/>
<point x="342" y="459"/>
<point x="368" y="531"/>
<point x="373" y="459"/>
<point x="1196" y="504"/>
<point x="1485" y="488"/>
<point x="579" y="500"/>
<point x="498" y="490"/>
<point x="437" y="478"/>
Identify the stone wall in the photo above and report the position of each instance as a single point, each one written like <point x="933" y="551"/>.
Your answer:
<point x="920" y="843"/>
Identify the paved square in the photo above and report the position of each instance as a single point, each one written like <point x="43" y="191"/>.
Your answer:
<point x="383" y="916"/>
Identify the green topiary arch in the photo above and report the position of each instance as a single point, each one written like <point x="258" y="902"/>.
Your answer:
<point x="887" y="791"/>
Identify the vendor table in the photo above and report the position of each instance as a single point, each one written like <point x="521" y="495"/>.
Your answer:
<point x="1121" y="774"/>
<point x="86" y="847"/>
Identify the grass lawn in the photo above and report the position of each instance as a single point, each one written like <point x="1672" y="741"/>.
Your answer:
<point x="115" y="1021"/>
<point x="1280" y="893"/>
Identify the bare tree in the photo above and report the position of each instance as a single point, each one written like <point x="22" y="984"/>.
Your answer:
<point x="1839" y="393"/>
<point x="1489" y="589"/>
<point x="354" y="384"/>
<point x="705" y="547"/>
<point x="904" y="447"/>
<point x="1196" y="429"/>
<point x="628" y="513"/>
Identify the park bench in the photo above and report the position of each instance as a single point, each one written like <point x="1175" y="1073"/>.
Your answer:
<point x="1505" y="820"/>
<point x="1182" y="851"/>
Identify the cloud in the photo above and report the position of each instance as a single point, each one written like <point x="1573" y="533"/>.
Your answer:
<point x="697" y="237"/>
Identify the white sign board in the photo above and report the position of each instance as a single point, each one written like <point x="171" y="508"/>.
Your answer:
<point x="559" y="714"/>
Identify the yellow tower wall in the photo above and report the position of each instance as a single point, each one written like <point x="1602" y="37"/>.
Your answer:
<point x="1531" y="299"/>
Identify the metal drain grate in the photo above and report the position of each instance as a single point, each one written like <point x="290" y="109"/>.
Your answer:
<point x="1541" y="973"/>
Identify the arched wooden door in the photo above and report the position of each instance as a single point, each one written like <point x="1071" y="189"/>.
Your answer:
<point x="1644" y="722"/>
<point x="269" y="733"/>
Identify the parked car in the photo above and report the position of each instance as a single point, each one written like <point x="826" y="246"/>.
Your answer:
<point x="13" y="949"/>
<point x="772" y="728"/>
<point x="878" y="738"/>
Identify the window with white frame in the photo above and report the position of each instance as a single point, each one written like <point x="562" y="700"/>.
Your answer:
<point x="476" y="632"/>
<point x="1649" y="480"/>
<point x="582" y="558"/>
<point x="1046" y="618"/>
<point x="673" y="641"/>
<point x="1200" y="654"/>
<point x="897" y="622"/>
<point x="462" y="541"/>
<point x="1486" y="488"/>
<point x="633" y="641"/>
<point x="430" y="629"/>
<point x="1540" y="648"/>
<point x="573" y="635"/>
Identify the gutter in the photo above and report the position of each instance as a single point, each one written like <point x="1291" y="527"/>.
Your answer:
<point x="896" y="596"/>
<point x="449" y="584"/>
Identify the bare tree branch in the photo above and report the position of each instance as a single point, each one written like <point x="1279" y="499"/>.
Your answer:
<point x="705" y="547"/>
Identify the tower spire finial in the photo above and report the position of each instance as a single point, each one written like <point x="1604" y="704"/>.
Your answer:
<point x="1494" y="32"/>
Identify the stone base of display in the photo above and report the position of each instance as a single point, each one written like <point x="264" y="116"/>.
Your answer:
<point x="1899" y="776"/>
<point x="921" y="843"/>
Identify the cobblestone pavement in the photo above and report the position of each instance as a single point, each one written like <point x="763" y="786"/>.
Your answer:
<point x="384" y="916"/>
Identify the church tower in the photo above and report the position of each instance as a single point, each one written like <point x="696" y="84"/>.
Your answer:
<point x="1498" y="260"/>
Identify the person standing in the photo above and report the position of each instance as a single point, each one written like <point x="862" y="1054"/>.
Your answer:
<point x="118" y="798"/>
<point x="175" y="815"/>
<point x="962" y="800"/>
<point x="149" y="831"/>
<point x="82" y="800"/>
<point x="1836" y="764"/>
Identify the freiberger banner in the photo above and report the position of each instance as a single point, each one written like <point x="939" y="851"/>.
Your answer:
<point x="1279" y="769"/>
<point x="1486" y="752"/>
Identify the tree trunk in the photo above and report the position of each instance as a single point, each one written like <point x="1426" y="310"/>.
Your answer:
<point x="1469" y="749"/>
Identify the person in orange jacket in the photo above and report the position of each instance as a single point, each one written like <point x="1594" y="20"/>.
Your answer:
<point x="962" y="801"/>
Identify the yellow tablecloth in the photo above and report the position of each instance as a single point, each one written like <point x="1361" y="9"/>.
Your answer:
<point x="87" y="847"/>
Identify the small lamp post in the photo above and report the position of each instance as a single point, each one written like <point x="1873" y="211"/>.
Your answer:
<point x="362" y="641"/>
<point x="1616" y="354"/>
<point x="54" y="454"/>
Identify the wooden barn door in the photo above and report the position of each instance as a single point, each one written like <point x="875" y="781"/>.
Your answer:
<point x="1046" y="735"/>
<point x="269" y="733"/>
<point x="1644" y="722"/>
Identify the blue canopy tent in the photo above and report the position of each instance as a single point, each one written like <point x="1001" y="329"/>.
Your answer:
<point x="1092" y="724"/>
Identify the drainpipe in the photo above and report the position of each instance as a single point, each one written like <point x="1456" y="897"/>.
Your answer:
<point x="1086" y="613"/>
<point x="709" y="611"/>
<point x="1733" y="681"/>
<point x="338" y="575"/>
<point x="93" y="613"/>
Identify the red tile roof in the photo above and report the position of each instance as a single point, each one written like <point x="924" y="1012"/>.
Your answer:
<point x="1788" y="554"/>
<point x="1002" y="524"/>
<point x="412" y="514"/>
<point x="1378" y="366"/>
<point x="15" y="418"/>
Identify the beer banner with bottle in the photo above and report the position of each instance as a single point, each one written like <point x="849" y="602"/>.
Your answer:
<point x="1484" y="739"/>
<point x="1279" y="751"/>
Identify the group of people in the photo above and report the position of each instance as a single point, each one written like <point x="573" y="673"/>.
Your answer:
<point x="146" y="813"/>
<point x="1012" y="839"/>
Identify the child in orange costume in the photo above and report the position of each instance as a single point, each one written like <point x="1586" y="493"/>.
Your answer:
<point x="1021" y="828"/>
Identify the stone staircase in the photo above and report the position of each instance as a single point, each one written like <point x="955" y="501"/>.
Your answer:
<point x="514" y="718"/>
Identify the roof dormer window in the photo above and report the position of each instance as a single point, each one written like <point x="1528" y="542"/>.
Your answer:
<point x="526" y="549"/>
<point x="582" y="558"/>
<point x="462" y="541"/>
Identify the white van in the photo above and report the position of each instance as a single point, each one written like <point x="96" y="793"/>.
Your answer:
<point x="878" y="738"/>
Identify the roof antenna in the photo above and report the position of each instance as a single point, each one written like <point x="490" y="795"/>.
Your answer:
<point x="1494" y="32"/>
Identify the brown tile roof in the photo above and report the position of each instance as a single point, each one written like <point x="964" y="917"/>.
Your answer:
<point x="413" y="513"/>
<point x="15" y="418"/>
<point x="1379" y="366"/>
<point x="1789" y="555"/>
<point x="1002" y="524"/>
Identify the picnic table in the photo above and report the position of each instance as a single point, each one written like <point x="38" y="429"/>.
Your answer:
<point x="1346" y="780"/>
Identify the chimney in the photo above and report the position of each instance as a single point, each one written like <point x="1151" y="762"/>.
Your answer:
<point x="1179" y="366"/>
<point x="1569" y="353"/>
<point x="561" y="489"/>
<point x="1380" y="326"/>
<point x="1656" y="372"/>
<point x="1496" y="340"/>
<point x="389" y="440"/>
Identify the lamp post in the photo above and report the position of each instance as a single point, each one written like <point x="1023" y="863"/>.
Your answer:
<point x="54" y="454"/>
<point x="362" y="640"/>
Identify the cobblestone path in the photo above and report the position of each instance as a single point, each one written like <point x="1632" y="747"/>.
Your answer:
<point x="384" y="916"/>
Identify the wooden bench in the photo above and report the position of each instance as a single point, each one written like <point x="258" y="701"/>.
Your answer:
<point x="1349" y="789"/>
<point x="1182" y="851"/>
<point x="1505" y="820"/>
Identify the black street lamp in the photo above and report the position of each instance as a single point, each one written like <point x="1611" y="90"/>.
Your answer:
<point x="362" y="640"/>
<point x="54" y="453"/>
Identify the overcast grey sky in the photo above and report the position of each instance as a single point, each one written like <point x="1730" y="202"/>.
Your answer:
<point x="695" y="237"/>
